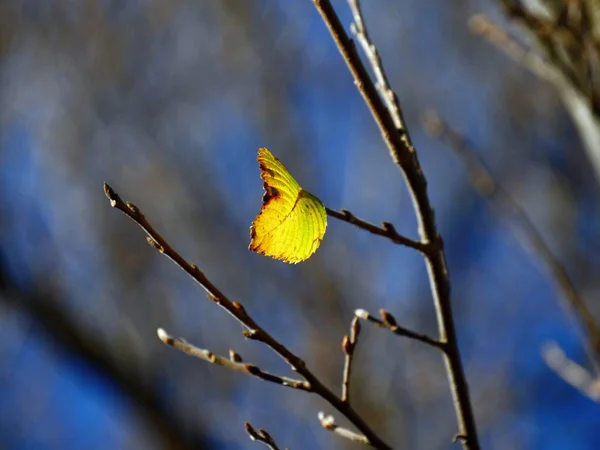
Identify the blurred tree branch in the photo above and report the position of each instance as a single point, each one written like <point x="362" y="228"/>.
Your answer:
<point x="571" y="372"/>
<point x="74" y="339"/>
<point x="568" y="39"/>
<point x="488" y="187"/>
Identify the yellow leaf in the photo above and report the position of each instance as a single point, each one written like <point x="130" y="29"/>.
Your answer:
<point x="292" y="222"/>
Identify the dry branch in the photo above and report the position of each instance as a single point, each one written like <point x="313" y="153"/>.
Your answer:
<point x="389" y="323"/>
<point x="349" y="347"/>
<point x="386" y="230"/>
<point x="261" y="435"/>
<point x="249" y="369"/>
<point x="252" y="329"/>
<point x="397" y="138"/>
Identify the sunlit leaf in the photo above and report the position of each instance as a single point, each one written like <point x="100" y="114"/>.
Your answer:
<point x="292" y="222"/>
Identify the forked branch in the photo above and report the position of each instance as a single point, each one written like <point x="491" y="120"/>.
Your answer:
<point x="252" y="329"/>
<point x="396" y="136"/>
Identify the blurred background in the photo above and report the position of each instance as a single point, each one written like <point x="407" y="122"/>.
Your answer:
<point x="168" y="102"/>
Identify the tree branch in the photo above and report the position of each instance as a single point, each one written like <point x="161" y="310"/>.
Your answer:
<point x="526" y="232"/>
<point x="389" y="323"/>
<point x="249" y="369"/>
<point x="359" y="29"/>
<point x="349" y="346"/>
<point x="261" y="435"/>
<point x="252" y="329"/>
<point x="386" y="230"/>
<point x="404" y="155"/>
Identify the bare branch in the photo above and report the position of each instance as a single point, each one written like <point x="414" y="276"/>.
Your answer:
<point x="386" y="230"/>
<point x="261" y="435"/>
<point x="404" y="154"/>
<point x="389" y="323"/>
<point x="359" y="30"/>
<point x="328" y="422"/>
<point x="249" y="369"/>
<point x="253" y="330"/>
<point x="526" y="231"/>
<point x="348" y="347"/>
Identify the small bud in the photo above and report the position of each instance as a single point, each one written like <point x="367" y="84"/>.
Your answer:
<point x="389" y="320"/>
<point x="234" y="357"/>
<point x="347" y="346"/>
<point x="238" y="306"/>
<point x="362" y="314"/>
<point x="250" y="430"/>
<point x="355" y="327"/>
<point x="387" y="226"/>
<point x="154" y="244"/>
<point x="253" y="370"/>
<point x="163" y="336"/>
<point x="346" y="213"/>
<point x="249" y="334"/>
<point x="327" y="422"/>
<point x="134" y="209"/>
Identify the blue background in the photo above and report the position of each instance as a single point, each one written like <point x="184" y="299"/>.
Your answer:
<point x="168" y="102"/>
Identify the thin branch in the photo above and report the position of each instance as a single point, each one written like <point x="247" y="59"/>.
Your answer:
<point x="253" y="330"/>
<point x="261" y="435"/>
<point x="328" y="422"/>
<point x="404" y="155"/>
<point x="249" y="369"/>
<point x="386" y="230"/>
<point x="389" y="323"/>
<point x="359" y="30"/>
<point x="528" y="234"/>
<point x="571" y="372"/>
<point x="348" y="347"/>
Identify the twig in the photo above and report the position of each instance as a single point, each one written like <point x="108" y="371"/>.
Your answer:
<point x="489" y="188"/>
<point x="249" y="369"/>
<point x="359" y="30"/>
<point x="542" y="31"/>
<point x="328" y="422"/>
<point x="389" y="323"/>
<point x="261" y="435"/>
<point x="386" y="230"/>
<point x="404" y="155"/>
<point x="349" y="346"/>
<point x="571" y="372"/>
<point x="253" y="330"/>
